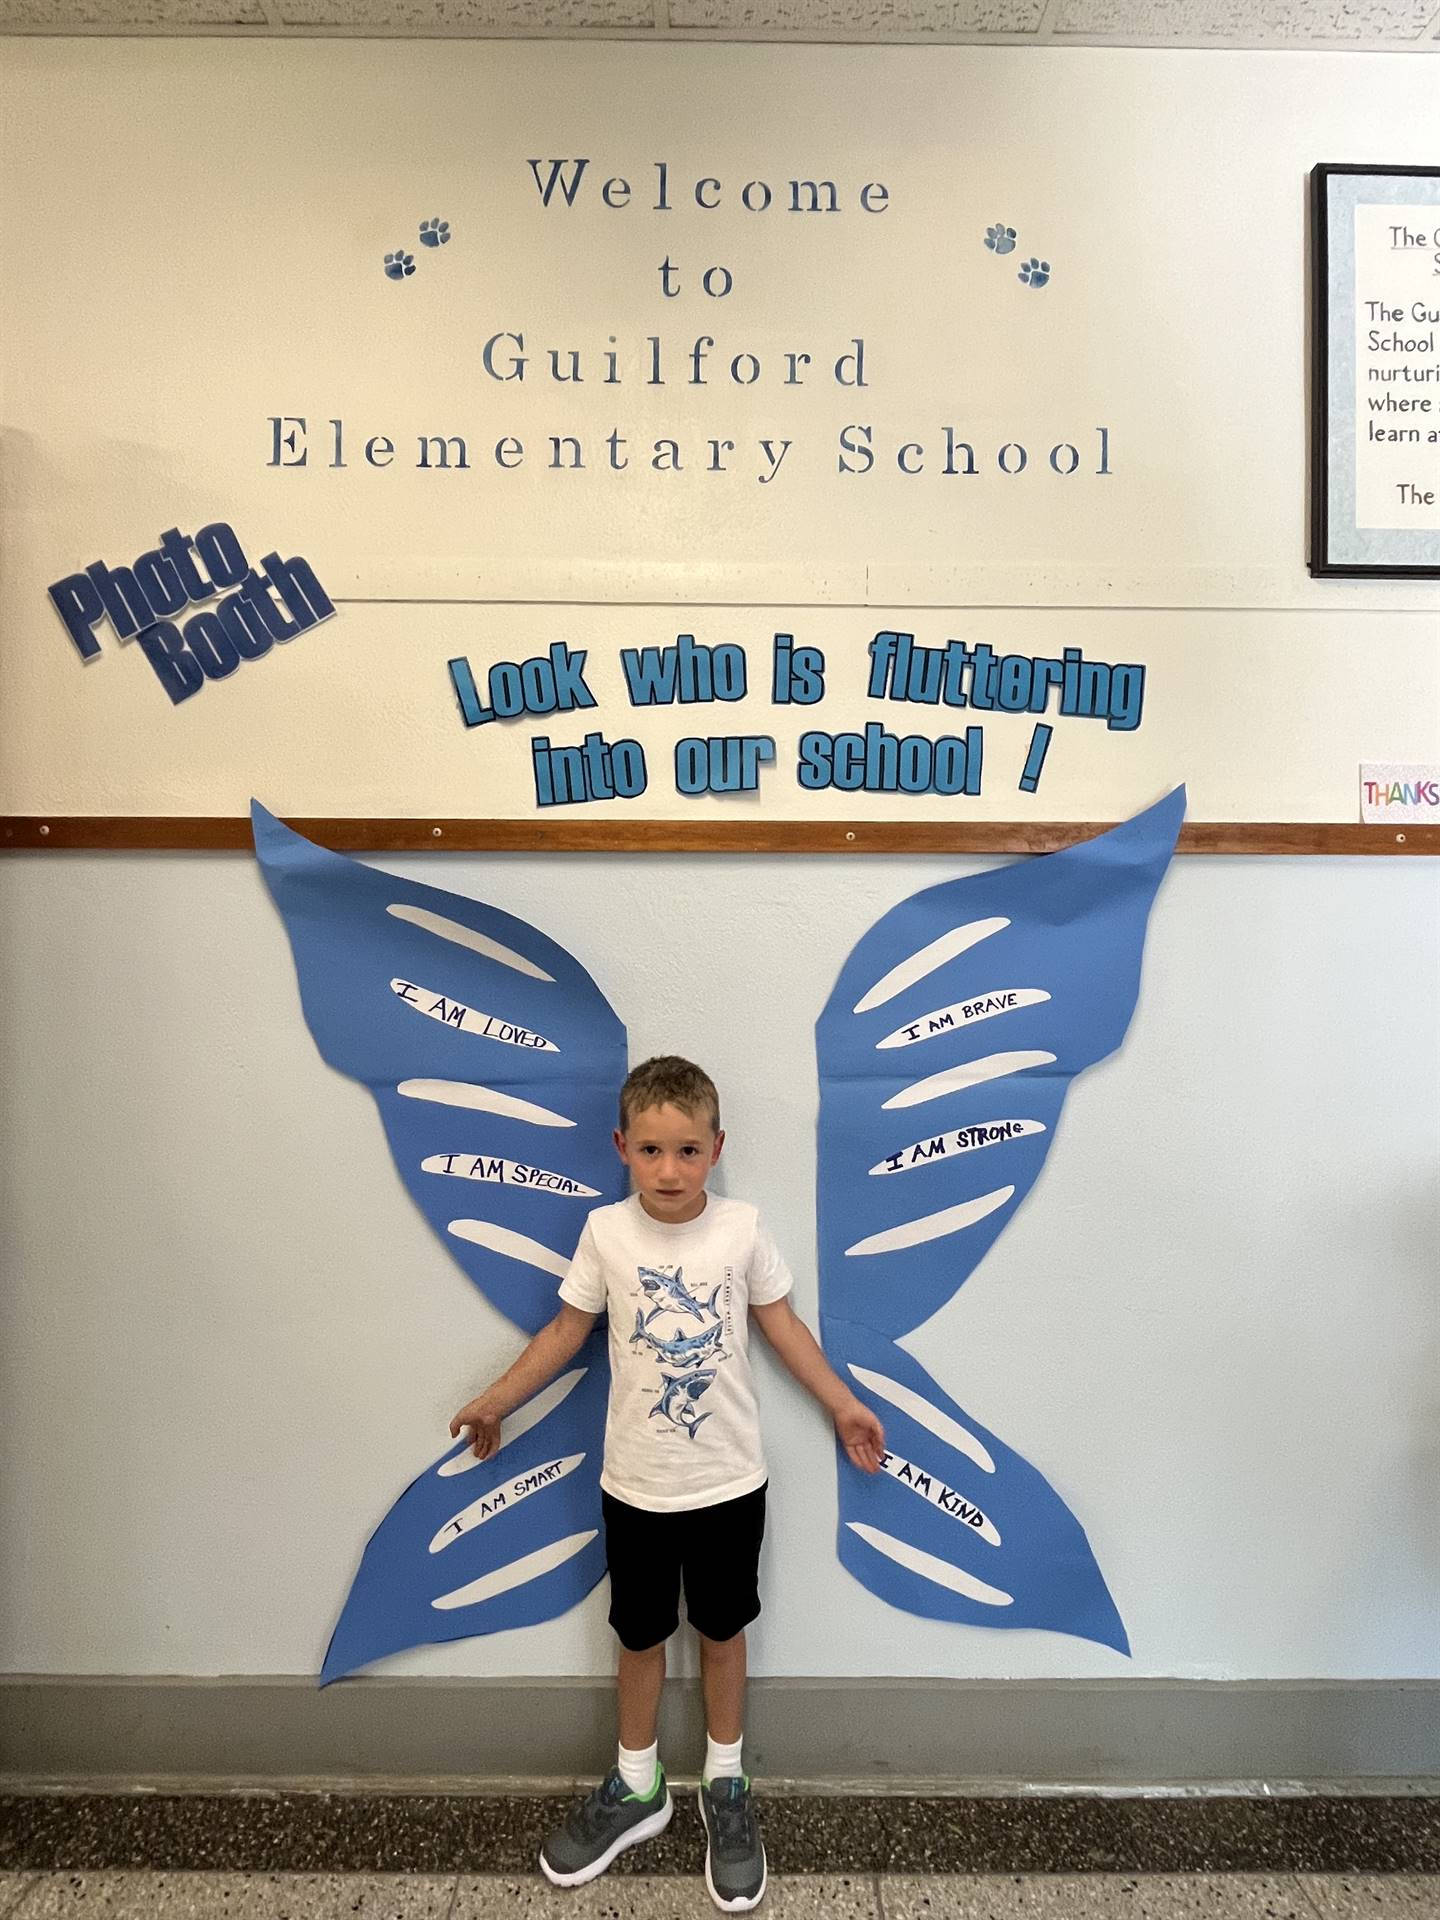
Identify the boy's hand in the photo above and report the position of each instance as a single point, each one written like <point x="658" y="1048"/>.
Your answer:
<point x="542" y="1359"/>
<point x="861" y="1435"/>
<point x="484" y="1422"/>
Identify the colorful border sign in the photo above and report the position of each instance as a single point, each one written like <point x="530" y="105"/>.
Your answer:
<point x="1375" y="341"/>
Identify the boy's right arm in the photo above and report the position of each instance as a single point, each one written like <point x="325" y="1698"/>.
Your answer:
<point x="546" y="1354"/>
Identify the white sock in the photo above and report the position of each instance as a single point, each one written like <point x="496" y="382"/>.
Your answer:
<point x="638" y="1766"/>
<point x="722" y="1762"/>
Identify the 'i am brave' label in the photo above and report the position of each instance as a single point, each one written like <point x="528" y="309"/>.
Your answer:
<point x="942" y="1146"/>
<point x="506" y="1173"/>
<point x="454" y="1013"/>
<point x="963" y="1013"/>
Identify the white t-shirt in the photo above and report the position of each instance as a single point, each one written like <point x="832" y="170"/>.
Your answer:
<point x="683" y="1429"/>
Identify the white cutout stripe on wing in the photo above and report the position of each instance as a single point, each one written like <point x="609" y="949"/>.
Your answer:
<point x="514" y="1246"/>
<point x="481" y="943"/>
<point x="539" y="1407"/>
<point x="506" y="1173"/>
<point x="924" y="1415"/>
<point x="465" y="1093"/>
<point x="929" y="1568"/>
<point x="961" y="1014"/>
<point x="970" y="1073"/>
<point x="462" y="1019"/>
<point x="926" y="960"/>
<point x="940" y="1494"/>
<point x="944" y="1146"/>
<point x="502" y="1498"/>
<point x="519" y="1572"/>
<point x="933" y="1226"/>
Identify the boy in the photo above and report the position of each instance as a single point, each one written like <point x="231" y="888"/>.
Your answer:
<point x="683" y="1485"/>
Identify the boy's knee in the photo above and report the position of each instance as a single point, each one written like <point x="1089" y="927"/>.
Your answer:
<point x="644" y="1652"/>
<point x="721" y="1646"/>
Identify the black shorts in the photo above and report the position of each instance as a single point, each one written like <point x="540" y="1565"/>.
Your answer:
<point x="714" y="1551"/>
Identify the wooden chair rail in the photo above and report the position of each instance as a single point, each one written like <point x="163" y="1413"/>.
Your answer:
<point x="178" y="833"/>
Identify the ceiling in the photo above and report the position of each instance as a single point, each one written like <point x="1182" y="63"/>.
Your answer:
<point x="1391" y="26"/>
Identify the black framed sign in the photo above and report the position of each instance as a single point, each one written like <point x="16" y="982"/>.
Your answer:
<point x="1375" y="342"/>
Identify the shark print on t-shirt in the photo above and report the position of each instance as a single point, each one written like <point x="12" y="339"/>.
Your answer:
<point x="683" y="1429"/>
<point x="697" y="1354"/>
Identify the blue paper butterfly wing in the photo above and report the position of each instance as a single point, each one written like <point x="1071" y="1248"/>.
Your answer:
<point x="958" y="1526"/>
<point x="379" y="983"/>
<point x="494" y="1059"/>
<point x="946" y="1051"/>
<point x="463" y="1550"/>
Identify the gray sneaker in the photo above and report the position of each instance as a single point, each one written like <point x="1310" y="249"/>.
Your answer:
<point x="734" y="1857"/>
<point x="604" y="1823"/>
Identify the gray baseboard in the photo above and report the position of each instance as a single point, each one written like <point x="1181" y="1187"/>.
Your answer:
<point x="911" y="1734"/>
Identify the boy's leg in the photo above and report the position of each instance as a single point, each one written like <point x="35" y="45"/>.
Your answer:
<point x="735" y="1870"/>
<point x="722" y="1678"/>
<point x="638" y="1682"/>
<point x="632" y="1802"/>
<point x="721" y="1564"/>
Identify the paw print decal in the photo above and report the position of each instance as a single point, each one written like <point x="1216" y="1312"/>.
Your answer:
<point x="399" y="265"/>
<point x="434" y="233"/>
<point x="1035" y="273"/>
<point x="1000" y="238"/>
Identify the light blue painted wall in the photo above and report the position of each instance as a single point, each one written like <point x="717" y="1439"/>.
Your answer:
<point x="227" y="1339"/>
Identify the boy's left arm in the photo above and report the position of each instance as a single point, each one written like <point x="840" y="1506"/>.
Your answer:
<point x="860" y="1433"/>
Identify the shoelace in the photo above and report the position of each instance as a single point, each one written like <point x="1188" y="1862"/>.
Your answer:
<point x="733" y="1820"/>
<point x="593" y="1811"/>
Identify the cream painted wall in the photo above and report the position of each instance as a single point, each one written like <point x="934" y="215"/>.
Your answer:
<point x="223" y="210"/>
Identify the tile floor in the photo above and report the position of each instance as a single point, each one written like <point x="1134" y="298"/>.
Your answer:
<point x="1039" y="1842"/>
<point x="130" y="1895"/>
<point x="419" y="1856"/>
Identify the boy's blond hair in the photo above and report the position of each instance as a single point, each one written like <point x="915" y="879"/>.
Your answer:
<point x="669" y="1081"/>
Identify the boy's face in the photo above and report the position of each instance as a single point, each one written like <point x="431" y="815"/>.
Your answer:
<point x="670" y="1153"/>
